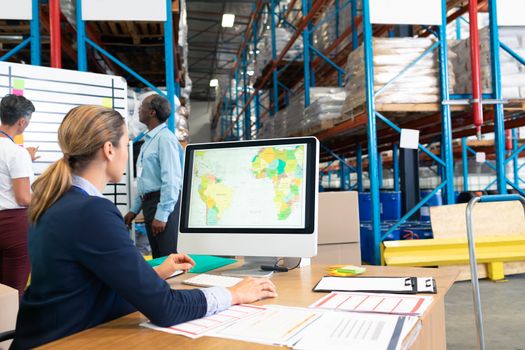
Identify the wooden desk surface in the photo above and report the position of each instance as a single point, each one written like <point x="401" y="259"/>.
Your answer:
<point x="294" y="288"/>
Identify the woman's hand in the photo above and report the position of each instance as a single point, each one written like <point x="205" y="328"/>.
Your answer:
<point x="252" y="289"/>
<point x="173" y="263"/>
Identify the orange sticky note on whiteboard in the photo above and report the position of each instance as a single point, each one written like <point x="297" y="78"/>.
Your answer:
<point x="19" y="139"/>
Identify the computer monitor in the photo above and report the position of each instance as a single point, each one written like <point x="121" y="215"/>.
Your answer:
<point x="251" y="198"/>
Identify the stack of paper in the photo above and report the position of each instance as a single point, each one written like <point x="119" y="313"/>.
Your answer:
<point x="300" y="328"/>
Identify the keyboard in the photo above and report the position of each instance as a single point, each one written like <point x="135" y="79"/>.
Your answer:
<point x="206" y="280"/>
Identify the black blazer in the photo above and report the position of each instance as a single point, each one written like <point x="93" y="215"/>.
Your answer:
<point x="87" y="271"/>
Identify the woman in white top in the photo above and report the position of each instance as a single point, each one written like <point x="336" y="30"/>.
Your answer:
<point x="16" y="172"/>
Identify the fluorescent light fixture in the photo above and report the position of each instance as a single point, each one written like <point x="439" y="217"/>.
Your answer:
<point x="214" y="83"/>
<point x="227" y="20"/>
<point x="250" y="72"/>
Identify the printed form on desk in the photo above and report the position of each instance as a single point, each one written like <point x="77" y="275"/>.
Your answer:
<point x="301" y="328"/>
<point x="357" y="331"/>
<point x="373" y="302"/>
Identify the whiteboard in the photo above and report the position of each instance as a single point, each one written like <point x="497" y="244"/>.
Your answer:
<point x="22" y="9"/>
<point x="406" y="12"/>
<point x="124" y="10"/>
<point x="54" y="92"/>
<point x="511" y="12"/>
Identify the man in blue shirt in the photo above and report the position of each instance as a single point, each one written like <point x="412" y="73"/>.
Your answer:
<point x="159" y="178"/>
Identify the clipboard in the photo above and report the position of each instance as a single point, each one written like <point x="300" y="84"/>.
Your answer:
<point x="369" y="284"/>
<point x="426" y="285"/>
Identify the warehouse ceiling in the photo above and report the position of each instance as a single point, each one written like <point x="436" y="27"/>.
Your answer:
<point x="212" y="48"/>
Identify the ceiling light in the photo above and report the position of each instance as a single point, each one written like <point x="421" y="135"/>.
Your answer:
<point x="214" y="83"/>
<point x="227" y="20"/>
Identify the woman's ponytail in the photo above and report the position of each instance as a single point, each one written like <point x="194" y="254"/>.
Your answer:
<point x="49" y="187"/>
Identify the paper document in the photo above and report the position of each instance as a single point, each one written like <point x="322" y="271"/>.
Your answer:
<point x="351" y="330"/>
<point x="277" y="325"/>
<point x="200" y="327"/>
<point x="378" y="303"/>
<point x="406" y="285"/>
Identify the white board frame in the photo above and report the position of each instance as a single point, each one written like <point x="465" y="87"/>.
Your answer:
<point x="406" y="12"/>
<point x="511" y="12"/>
<point x="124" y="10"/>
<point x="54" y="92"/>
<point x="22" y="10"/>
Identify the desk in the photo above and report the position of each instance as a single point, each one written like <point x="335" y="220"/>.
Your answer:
<point x="294" y="289"/>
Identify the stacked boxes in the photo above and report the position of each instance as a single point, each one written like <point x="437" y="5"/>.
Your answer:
<point x="512" y="72"/>
<point x="420" y="84"/>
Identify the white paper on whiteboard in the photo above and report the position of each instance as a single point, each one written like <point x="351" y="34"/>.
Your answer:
<point x="124" y="10"/>
<point x="406" y="12"/>
<point x="409" y="138"/>
<point x="511" y="12"/>
<point x="22" y="9"/>
<point x="481" y="157"/>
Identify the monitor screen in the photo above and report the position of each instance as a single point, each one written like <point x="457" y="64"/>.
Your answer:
<point x="249" y="186"/>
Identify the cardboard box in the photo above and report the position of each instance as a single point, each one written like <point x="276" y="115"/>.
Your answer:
<point x="9" y="307"/>
<point x="338" y="217"/>
<point x="331" y="254"/>
<point x="338" y="237"/>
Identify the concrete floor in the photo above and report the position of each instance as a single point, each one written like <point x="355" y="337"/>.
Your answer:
<point x="503" y="306"/>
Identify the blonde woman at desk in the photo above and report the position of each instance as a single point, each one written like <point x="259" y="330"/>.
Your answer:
<point x="85" y="268"/>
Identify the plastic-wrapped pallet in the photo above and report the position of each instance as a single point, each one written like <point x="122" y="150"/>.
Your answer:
<point x="512" y="72"/>
<point x="326" y="107"/>
<point x="282" y="37"/>
<point x="420" y="84"/>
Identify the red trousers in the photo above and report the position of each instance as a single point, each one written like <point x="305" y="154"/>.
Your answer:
<point x="14" y="258"/>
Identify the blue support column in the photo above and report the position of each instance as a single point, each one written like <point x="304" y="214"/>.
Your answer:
<point x="446" y="123"/>
<point x="372" y="135"/>
<point x="306" y="57"/>
<point x="515" y="166"/>
<point x="247" y="112"/>
<point x="458" y="29"/>
<point x="354" y="28"/>
<point x="464" y="157"/>
<point x="311" y="43"/>
<point x="359" y="167"/>
<point x="499" y="129"/>
<point x="81" y="40"/>
<point x="337" y="10"/>
<point x="170" y="63"/>
<point x="230" y="112"/>
<point x="380" y="170"/>
<point x="395" y="161"/>
<point x="35" y="33"/>
<point x="257" y="102"/>
<point x="275" y="83"/>
<point x="342" y="176"/>
<point x="236" y="116"/>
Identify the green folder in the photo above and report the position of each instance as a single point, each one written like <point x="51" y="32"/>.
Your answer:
<point x="203" y="263"/>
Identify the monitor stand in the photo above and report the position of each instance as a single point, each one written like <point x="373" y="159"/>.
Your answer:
<point x="252" y="267"/>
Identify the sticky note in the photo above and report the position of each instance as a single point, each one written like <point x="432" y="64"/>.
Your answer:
<point x="107" y="102"/>
<point x="481" y="157"/>
<point x="409" y="138"/>
<point x="18" y="92"/>
<point x="19" y="84"/>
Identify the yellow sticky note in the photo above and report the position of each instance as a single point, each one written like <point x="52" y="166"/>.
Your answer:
<point x="107" y="102"/>
<point x="19" y="139"/>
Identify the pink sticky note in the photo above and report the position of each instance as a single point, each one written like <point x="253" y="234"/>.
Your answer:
<point x="18" y="92"/>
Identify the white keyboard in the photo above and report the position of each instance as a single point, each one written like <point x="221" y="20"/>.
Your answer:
<point x="206" y="280"/>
